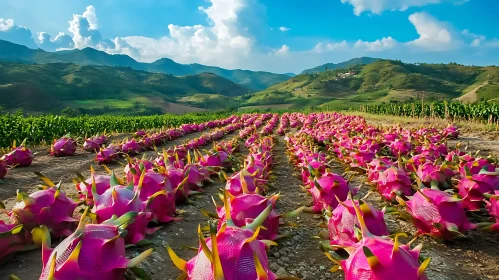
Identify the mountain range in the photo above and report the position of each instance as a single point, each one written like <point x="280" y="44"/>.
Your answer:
<point x="252" y="80"/>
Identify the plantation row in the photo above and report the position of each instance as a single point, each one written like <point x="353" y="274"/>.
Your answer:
<point x="456" y="111"/>
<point x="41" y="129"/>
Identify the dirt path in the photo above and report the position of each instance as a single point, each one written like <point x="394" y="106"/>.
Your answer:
<point x="471" y="96"/>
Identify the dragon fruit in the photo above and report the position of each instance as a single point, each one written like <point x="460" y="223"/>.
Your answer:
<point x="472" y="193"/>
<point x="400" y="147"/>
<point x="19" y="156"/>
<point x="435" y="175"/>
<point x="94" y="143"/>
<point x="451" y="131"/>
<point x="343" y="223"/>
<point x="65" y="146"/>
<point x="130" y="147"/>
<point x="197" y="175"/>
<point x="84" y="187"/>
<point x="245" y="208"/>
<point x="3" y="169"/>
<point x="106" y="155"/>
<point x="437" y="214"/>
<point x="243" y="182"/>
<point x="231" y="253"/>
<point x="118" y="200"/>
<point x="327" y="189"/>
<point x="157" y="190"/>
<point x="376" y="257"/>
<point x="50" y="207"/>
<point x="493" y="206"/>
<point x="93" y="251"/>
<point x="11" y="239"/>
<point x="392" y="182"/>
<point x="140" y="134"/>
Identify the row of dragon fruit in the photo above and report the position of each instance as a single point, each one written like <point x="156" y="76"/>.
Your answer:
<point x="106" y="153"/>
<point x="122" y="209"/>
<point x="436" y="187"/>
<point x="246" y="224"/>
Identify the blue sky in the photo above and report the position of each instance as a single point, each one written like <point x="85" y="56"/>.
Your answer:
<point x="271" y="35"/>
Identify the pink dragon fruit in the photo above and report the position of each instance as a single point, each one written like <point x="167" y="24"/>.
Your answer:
<point x="146" y="143"/>
<point x="50" y="207"/>
<point x="231" y="253"/>
<point x="327" y="189"/>
<point x="343" y="222"/>
<point x="130" y="147"/>
<point x="179" y="183"/>
<point x="94" y="143"/>
<point x="140" y="134"/>
<point x="157" y="190"/>
<point x="106" y="155"/>
<point x="84" y="187"/>
<point x="472" y="193"/>
<point x="19" y="156"/>
<point x="93" y="251"/>
<point x="3" y="169"/>
<point x="437" y="214"/>
<point x="435" y="175"/>
<point x="392" y="182"/>
<point x="245" y="208"/>
<point x="243" y="182"/>
<point x="11" y="239"/>
<point x="65" y="146"/>
<point x="493" y="206"/>
<point x="376" y="257"/>
<point x="197" y="175"/>
<point x="451" y="131"/>
<point x="400" y="147"/>
<point x="119" y="200"/>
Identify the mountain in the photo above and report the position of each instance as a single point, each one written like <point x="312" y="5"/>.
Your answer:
<point x="341" y="65"/>
<point x="252" y="80"/>
<point x="380" y="82"/>
<point x="55" y="86"/>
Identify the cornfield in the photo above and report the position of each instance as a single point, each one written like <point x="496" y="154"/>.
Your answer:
<point x="46" y="128"/>
<point x="456" y="111"/>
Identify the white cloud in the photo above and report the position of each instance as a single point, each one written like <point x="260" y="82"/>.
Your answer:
<point x="433" y="34"/>
<point x="477" y="41"/>
<point x="385" y="43"/>
<point x="284" y="50"/>
<point x="9" y="31"/>
<point x="84" y="29"/>
<point x="328" y="47"/>
<point x="378" y="6"/>
<point x="284" y="29"/>
<point x="60" y="42"/>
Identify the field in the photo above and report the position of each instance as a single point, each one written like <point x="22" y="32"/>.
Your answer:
<point x="313" y="161"/>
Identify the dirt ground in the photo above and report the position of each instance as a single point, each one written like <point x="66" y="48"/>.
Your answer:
<point x="476" y="257"/>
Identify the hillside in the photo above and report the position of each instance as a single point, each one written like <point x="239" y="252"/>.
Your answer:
<point x="341" y="65"/>
<point x="380" y="82"/>
<point x="252" y="80"/>
<point x="55" y="86"/>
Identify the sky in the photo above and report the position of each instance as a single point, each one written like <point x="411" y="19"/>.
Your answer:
<point x="269" y="35"/>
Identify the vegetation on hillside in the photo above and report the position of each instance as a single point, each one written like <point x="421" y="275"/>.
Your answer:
<point x="55" y="86"/>
<point x="252" y="80"/>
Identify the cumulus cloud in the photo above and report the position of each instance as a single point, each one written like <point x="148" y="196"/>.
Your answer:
<point x="284" y="29"/>
<point x="378" y="45"/>
<point x="328" y="47"/>
<point x="9" y="31"/>
<point x="282" y="51"/>
<point x="84" y="29"/>
<point x="477" y="40"/>
<point x="378" y="6"/>
<point x="433" y="34"/>
<point x="61" y="42"/>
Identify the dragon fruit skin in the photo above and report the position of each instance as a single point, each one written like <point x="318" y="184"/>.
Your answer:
<point x="472" y="193"/>
<point x="11" y="239"/>
<point x="242" y="182"/>
<point x="130" y="147"/>
<point x="119" y="200"/>
<point x="65" y="146"/>
<point x="342" y="223"/>
<point x="392" y="182"/>
<point x="326" y="188"/>
<point x="438" y="214"/>
<point x="245" y="208"/>
<point x="93" y="251"/>
<point x="375" y="257"/>
<point x="92" y="144"/>
<point x="236" y="254"/>
<point x="158" y="189"/>
<point x="3" y="169"/>
<point x="493" y="206"/>
<point x="106" y="155"/>
<point x="102" y="183"/>
<point x="50" y="207"/>
<point x="20" y="156"/>
<point x="451" y="131"/>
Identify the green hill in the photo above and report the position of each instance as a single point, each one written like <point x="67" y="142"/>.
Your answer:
<point x="380" y="82"/>
<point x="55" y="86"/>
<point x="341" y="65"/>
<point x="252" y="80"/>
